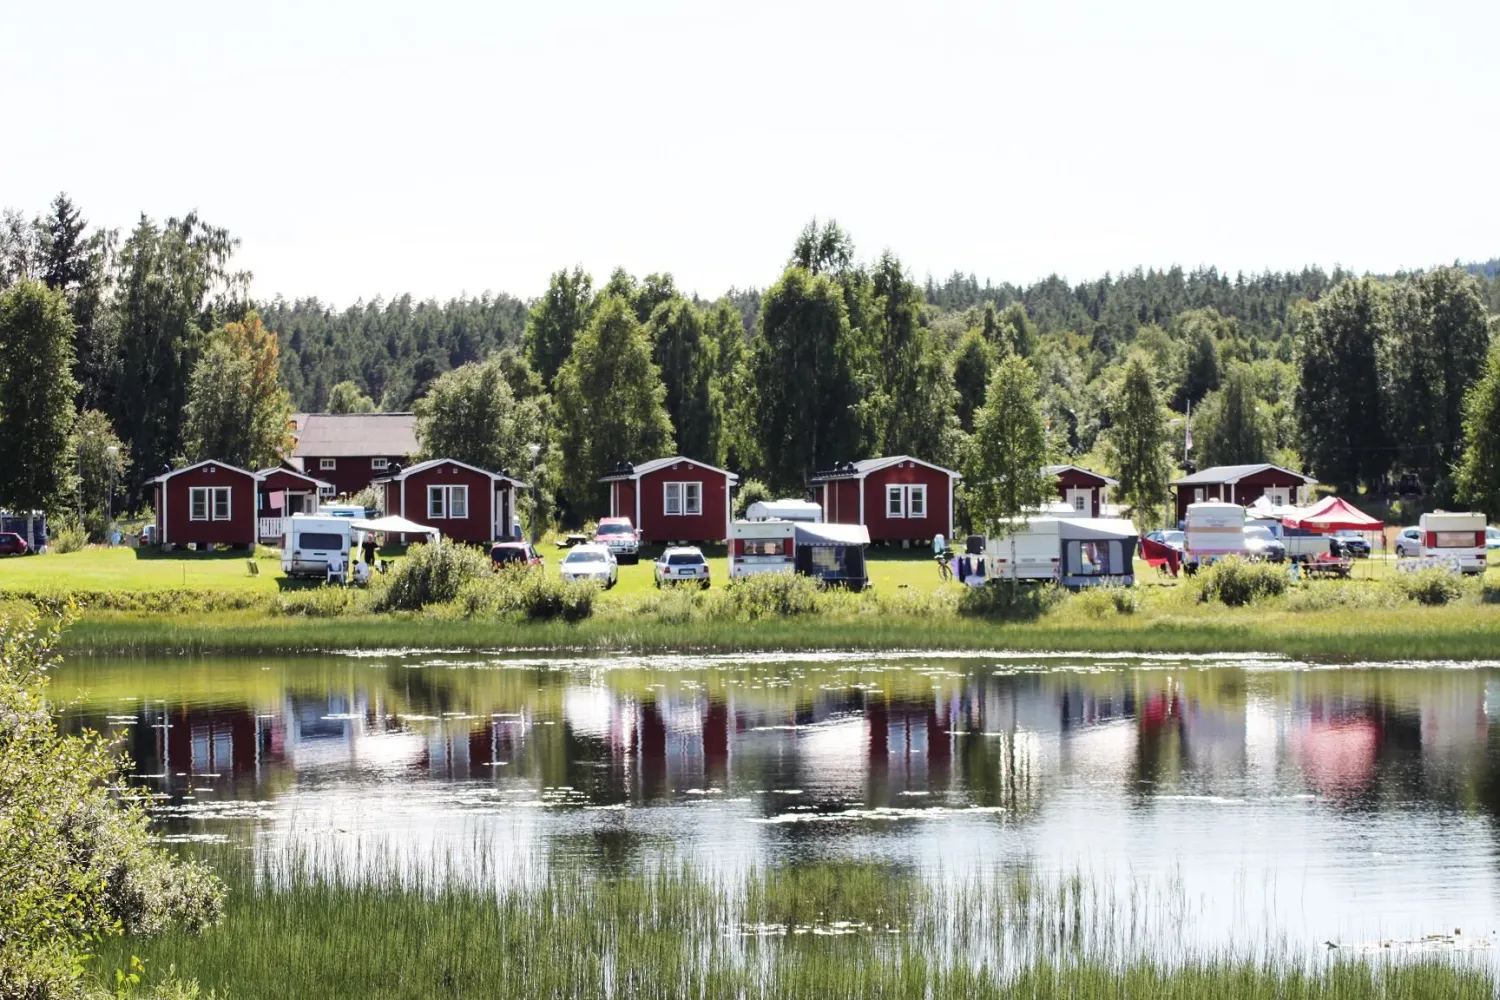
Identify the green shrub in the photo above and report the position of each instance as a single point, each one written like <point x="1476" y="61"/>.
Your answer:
<point x="1330" y="595"/>
<point x="1101" y="602"/>
<point x="1237" y="582"/>
<point x="172" y="601"/>
<point x="1433" y="586"/>
<point x="77" y="859"/>
<point x="1008" y="600"/>
<point x="432" y="573"/>
<point x="767" y="594"/>
<point x="529" y="592"/>
<point x="674" y="605"/>
<point x="323" y="601"/>
<point x="749" y="492"/>
<point x="69" y="536"/>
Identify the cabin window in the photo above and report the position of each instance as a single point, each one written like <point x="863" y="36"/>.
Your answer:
<point x="1278" y="497"/>
<point x="895" y="501"/>
<point x="916" y="501"/>
<point x="326" y="464"/>
<point x="1198" y="495"/>
<point x="325" y="490"/>
<point x="208" y="503"/>
<point x="682" y="498"/>
<point x="447" y="502"/>
<point x="380" y="464"/>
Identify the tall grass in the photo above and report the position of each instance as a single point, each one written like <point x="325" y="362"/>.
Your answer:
<point x="377" y="926"/>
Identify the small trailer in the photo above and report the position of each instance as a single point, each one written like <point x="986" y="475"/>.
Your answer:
<point x="1073" y="551"/>
<point x="1213" y="531"/>
<point x="1453" y="539"/>
<point x="761" y="547"/>
<point x="785" y="510"/>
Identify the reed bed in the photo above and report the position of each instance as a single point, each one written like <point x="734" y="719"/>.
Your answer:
<point x="308" y="923"/>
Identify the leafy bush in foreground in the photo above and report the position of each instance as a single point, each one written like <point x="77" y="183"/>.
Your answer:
<point x="430" y="574"/>
<point x="766" y="594"/>
<point x="529" y="592"/>
<point x="1238" y="582"/>
<point x="76" y="859"/>
<point x="1005" y="599"/>
<point x="1432" y="586"/>
<point x="69" y="536"/>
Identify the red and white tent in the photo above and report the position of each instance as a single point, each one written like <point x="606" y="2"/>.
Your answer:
<point x="1332" y="514"/>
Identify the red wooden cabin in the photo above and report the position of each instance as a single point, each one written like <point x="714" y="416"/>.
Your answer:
<point x="209" y="503"/>
<point x="1085" y="491"/>
<point x="897" y="499"/>
<point x="1242" y="484"/>
<point x="464" y="502"/>
<point x="284" y="492"/>
<point x="349" y="451"/>
<point x="673" y="499"/>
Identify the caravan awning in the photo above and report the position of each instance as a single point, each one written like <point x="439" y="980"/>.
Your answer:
<point x="832" y="534"/>
<point x="1095" y="529"/>
<point x="393" y="525"/>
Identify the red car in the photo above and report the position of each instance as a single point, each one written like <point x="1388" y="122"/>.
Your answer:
<point x="504" y="554"/>
<point x="12" y="544"/>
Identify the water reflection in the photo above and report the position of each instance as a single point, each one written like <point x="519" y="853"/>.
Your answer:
<point x="1351" y="803"/>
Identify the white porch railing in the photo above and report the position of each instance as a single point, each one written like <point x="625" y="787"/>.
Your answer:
<point x="271" y="527"/>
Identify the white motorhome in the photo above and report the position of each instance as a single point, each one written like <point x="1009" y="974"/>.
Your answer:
<point x="1213" y="531"/>
<point x="1457" y="539"/>
<point x="761" y="547"/>
<point x="312" y="542"/>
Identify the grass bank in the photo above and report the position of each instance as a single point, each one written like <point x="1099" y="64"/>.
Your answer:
<point x="827" y="930"/>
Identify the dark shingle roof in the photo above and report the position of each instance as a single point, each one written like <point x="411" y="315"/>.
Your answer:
<point x="1233" y="474"/>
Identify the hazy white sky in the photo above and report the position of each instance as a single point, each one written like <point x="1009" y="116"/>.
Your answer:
<point x="372" y="148"/>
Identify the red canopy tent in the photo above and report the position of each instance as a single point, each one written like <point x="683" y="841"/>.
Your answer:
<point x="1332" y="514"/>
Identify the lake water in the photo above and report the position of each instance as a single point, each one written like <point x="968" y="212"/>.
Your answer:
<point x="1272" y="797"/>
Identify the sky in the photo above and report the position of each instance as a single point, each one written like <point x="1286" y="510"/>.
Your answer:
<point x="372" y="149"/>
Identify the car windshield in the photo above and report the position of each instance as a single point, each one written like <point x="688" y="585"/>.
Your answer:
<point x="684" y="559"/>
<point x="1173" y="536"/>
<point x="578" y="556"/>
<point x="614" y="529"/>
<point x="507" y="555"/>
<point x="1259" y="531"/>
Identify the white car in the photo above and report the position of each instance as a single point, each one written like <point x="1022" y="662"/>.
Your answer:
<point x="682" y="565"/>
<point x="1409" y="543"/>
<point x="591" y="562"/>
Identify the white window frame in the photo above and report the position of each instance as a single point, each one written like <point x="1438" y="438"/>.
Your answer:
<point x="898" y="494"/>
<point x="227" y="495"/>
<point x="688" y="496"/>
<point x="1279" y="496"/>
<point x="380" y="464"/>
<point x="327" y="464"/>
<point x="206" y="494"/>
<point x="1198" y="495"/>
<point x="913" y="491"/>
<point x="325" y="490"/>
<point x="445" y="496"/>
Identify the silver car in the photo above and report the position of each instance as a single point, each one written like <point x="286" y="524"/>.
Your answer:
<point x="590" y="562"/>
<point x="682" y="565"/>
<point x="1409" y="543"/>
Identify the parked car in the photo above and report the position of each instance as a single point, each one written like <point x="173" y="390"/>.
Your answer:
<point x="504" y="554"/>
<point x="1175" y="539"/>
<point x="12" y="544"/>
<point x="619" y="536"/>
<point x="1261" y="544"/>
<point x="1351" y="544"/>
<point x="1409" y="543"/>
<point x="1492" y="538"/>
<point x="682" y="565"/>
<point x="591" y="562"/>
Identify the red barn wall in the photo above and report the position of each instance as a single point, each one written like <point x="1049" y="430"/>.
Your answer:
<point x="895" y="529"/>
<point x="622" y="500"/>
<point x="841" y="501"/>
<point x="1245" y="492"/>
<point x="478" y="527"/>
<point x="1072" y="479"/>
<point x="179" y="529"/>
<point x="350" y="474"/>
<point x="658" y="526"/>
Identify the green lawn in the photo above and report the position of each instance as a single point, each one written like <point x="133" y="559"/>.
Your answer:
<point x="137" y="569"/>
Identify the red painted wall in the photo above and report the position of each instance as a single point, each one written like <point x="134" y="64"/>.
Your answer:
<point x="1245" y="492"/>
<point x="350" y="474"/>
<point x="658" y="526"/>
<point x="178" y="529"/>
<point x="841" y="502"/>
<point x="622" y="500"/>
<point x="898" y="529"/>
<point x="1072" y="479"/>
<point x="478" y="527"/>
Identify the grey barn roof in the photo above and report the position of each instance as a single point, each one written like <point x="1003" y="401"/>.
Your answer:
<point x="355" y="435"/>
<point x="1233" y="474"/>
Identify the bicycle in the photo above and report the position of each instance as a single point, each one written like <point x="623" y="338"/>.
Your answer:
<point x="945" y="566"/>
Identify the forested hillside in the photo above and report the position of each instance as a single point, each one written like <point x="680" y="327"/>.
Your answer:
<point x="1358" y="379"/>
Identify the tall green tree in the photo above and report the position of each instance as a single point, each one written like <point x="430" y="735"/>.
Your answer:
<point x="686" y="362"/>
<point x="172" y="279"/>
<point x="1232" y="425"/>
<point x="1137" y="443"/>
<point x="1199" y="329"/>
<point x="1004" y="476"/>
<point x="471" y="414"/>
<point x="1339" y="402"/>
<point x="1014" y="330"/>
<point x="973" y="362"/>
<point x="1432" y="354"/>
<point x="724" y="337"/>
<point x="237" y="410"/>
<point x="916" y="394"/>
<point x="808" y="379"/>
<point x="609" y="405"/>
<point x="346" y="397"/>
<point x="1477" y="473"/>
<point x="36" y="398"/>
<point x="557" y="319"/>
<point x="103" y="460"/>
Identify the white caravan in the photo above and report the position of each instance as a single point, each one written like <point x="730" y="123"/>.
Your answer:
<point x="1074" y="551"/>
<point x="1213" y="531"/>
<point x="761" y="547"/>
<point x="1454" y="539"/>
<point x="313" y="542"/>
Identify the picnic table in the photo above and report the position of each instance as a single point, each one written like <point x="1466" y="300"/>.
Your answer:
<point x="1326" y="565"/>
<point x="570" y="540"/>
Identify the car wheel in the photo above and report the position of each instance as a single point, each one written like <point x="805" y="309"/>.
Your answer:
<point x="703" y="585"/>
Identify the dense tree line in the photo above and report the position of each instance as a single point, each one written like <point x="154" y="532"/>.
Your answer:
<point x="155" y="348"/>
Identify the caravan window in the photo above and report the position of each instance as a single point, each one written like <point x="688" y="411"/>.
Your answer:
<point x="321" y="541"/>
<point x="1088" y="558"/>
<point x="762" y="546"/>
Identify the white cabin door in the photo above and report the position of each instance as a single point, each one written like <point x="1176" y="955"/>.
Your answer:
<point x="1081" y="501"/>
